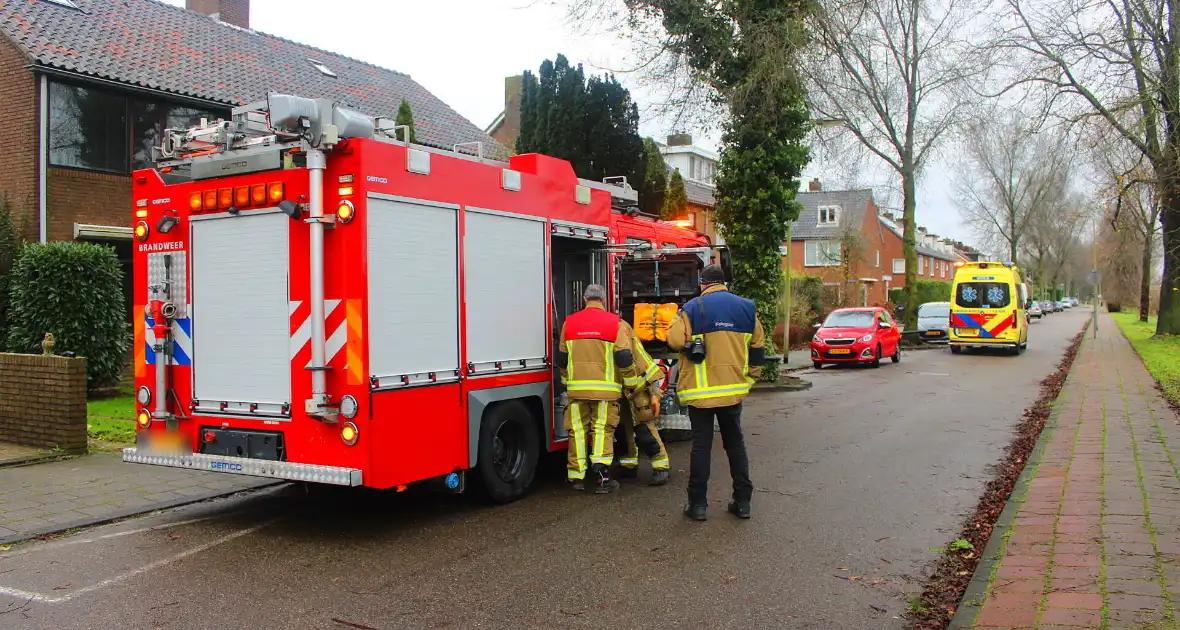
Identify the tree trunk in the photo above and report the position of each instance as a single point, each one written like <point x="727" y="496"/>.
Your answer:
<point x="1145" y="276"/>
<point x="1169" y="317"/>
<point x="909" y="251"/>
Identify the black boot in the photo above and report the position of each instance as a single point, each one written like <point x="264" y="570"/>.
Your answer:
<point x="740" y="509"/>
<point x="604" y="484"/>
<point x="658" y="478"/>
<point x="696" y="511"/>
<point x="626" y="473"/>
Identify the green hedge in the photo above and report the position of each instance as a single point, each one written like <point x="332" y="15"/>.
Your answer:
<point x="75" y="291"/>
<point x="10" y="245"/>
<point x="928" y="291"/>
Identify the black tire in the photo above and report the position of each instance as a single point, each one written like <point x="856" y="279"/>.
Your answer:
<point x="956" y="349"/>
<point x="896" y="358"/>
<point x="509" y="449"/>
<point x="877" y="357"/>
<point x="817" y="365"/>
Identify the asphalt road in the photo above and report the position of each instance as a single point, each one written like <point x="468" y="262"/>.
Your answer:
<point x="860" y="477"/>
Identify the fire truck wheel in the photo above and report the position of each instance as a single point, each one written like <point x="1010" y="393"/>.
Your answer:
<point x="509" y="448"/>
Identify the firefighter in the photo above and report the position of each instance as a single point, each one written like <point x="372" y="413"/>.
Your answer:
<point x="595" y="355"/>
<point x="721" y="352"/>
<point x="637" y="424"/>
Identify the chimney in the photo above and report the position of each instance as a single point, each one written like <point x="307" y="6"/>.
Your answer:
<point x="509" y="130"/>
<point x="680" y="140"/>
<point x="813" y="185"/>
<point x="236" y="12"/>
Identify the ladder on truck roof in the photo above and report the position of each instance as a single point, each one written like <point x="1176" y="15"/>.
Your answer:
<point x="258" y="134"/>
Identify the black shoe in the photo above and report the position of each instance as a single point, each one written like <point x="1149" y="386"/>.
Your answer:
<point x="606" y="486"/>
<point x="627" y="473"/>
<point x="740" y="509"/>
<point x="577" y="484"/>
<point x="658" y="478"/>
<point x="696" y="511"/>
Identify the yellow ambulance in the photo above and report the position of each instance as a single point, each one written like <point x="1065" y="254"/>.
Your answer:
<point x="989" y="307"/>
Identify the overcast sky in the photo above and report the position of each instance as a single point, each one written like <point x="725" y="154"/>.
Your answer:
<point x="461" y="50"/>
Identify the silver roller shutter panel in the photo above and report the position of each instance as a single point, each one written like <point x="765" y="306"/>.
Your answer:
<point x="241" y="319"/>
<point x="413" y="289"/>
<point x="504" y="272"/>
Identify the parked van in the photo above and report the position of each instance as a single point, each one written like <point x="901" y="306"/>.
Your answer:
<point x="989" y="307"/>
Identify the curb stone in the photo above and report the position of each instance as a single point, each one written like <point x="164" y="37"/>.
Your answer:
<point x="122" y="514"/>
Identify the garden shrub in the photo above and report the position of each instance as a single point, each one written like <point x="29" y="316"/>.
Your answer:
<point x="75" y="291"/>
<point x="10" y="244"/>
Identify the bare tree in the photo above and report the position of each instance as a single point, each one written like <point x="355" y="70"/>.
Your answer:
<point x="1114" y="60"/>
<point x="1135" y="212"/>
<point x="1010" y="178"/>
<point x="889" y="72"/>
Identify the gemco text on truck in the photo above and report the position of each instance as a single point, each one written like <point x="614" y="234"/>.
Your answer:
<point x="318" y="301"/>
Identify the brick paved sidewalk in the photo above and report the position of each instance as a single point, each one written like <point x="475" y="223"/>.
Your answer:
<point x="59" y="495"/>
<point x="1095" y="542"/>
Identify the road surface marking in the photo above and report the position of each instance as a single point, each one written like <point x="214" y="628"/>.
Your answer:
<point x="77" y="541"/>
<point x="46" y="599"/>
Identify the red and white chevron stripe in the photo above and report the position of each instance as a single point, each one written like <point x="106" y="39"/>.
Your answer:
<point x="336" y="326"/>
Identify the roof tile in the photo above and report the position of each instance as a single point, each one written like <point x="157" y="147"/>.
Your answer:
<point x="162" y="47"/>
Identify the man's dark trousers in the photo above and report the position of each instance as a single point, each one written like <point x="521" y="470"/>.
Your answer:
<point x="729" y="420"/>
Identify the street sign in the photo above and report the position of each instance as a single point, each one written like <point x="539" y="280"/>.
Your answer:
<point x="1092" y="277"/>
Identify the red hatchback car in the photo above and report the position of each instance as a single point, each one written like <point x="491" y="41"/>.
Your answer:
<point x="856" y="335"/>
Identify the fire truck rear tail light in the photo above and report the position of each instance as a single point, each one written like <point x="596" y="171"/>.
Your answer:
<point x="142" y="231"/>
<point x="274" y="192"/>
<point x="345" y="179"/>
<point x="225" y="198"/>
<point x="349" y="433"/>
<point x="258" y="194"/>
<point x="144" y="396"/>
<point x="345" y="191"/>
<point x="143" y="419"/>
<point x="194" y="202"/>
<point x="209" y="437"/>
<point x="345" y="211"/>
<point x="141" y="203"/>
<point x="141" y="214"/>
<point x="209" y="200"/>
<point x="348" y="407"/>
<point x="241" y="196"/>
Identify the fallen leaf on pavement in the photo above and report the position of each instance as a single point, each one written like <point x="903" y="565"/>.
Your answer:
<point x="729" y="579"/>
<point x="62" y="587"/>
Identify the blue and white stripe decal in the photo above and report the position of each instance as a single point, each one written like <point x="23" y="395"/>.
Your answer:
<point x="182" y="340"/>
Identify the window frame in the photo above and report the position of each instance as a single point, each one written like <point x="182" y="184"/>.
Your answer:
<point x="899" y="265"/>
<point x="133" y="104"/>
<point x="816" y="249"/>
<point x="833" y="212"/>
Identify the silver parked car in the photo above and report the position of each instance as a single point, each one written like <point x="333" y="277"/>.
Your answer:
<point x="933" y="321"/>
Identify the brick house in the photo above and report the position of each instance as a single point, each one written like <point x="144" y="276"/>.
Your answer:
<point x="88" y="86"/>
<point x="833" y="225"/>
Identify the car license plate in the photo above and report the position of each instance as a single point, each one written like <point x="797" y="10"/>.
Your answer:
<point x="839" y="351"/>
<point x="967" y="332"/>
<point x="933" y="333"/>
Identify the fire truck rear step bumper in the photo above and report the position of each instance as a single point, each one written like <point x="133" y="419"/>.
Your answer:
<point x="291" y="471"/>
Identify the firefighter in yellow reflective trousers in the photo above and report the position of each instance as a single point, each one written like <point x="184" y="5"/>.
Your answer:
<point x="594" y="351"/>
<point x="637" y="423"/>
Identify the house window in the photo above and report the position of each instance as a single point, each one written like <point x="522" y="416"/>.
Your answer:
<point x="821" y="253"/>
<point x="87" y="128"/>
<point x="104" y="131"/>
<point x="878" y="263"/>
<point x="898" y="265"/>
<point x="829" y="215"/>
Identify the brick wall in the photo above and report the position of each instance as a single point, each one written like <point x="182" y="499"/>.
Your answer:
<point x="43" y="401"/>
<point x="19" y="104"/>
<point x="87" y="197"/>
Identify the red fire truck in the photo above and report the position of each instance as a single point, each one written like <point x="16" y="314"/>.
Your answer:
<point x="318" y="301"/>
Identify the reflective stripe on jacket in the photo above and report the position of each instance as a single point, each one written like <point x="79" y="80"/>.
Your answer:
<point x="734" y="348"/>
<point x="595" y="354"/>
<point x="646" y="369"/>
